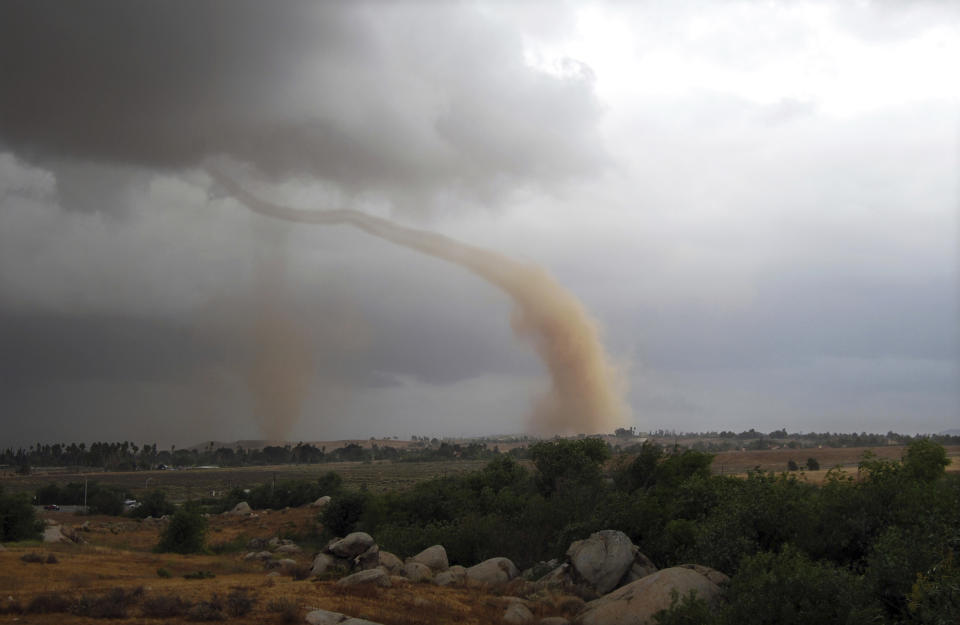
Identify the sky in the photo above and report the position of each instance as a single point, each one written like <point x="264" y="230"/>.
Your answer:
<point x="757" y="202"/>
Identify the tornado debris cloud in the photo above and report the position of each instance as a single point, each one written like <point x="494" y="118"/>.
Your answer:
<point x="586" y="392"/>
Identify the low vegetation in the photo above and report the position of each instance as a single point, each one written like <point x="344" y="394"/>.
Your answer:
<point x="881" y="546"/>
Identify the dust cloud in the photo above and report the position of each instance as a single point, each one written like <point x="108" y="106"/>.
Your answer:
<point x="586" y="394"/>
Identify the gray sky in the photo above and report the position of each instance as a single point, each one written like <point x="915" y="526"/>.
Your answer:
<point x="757" y="201"/>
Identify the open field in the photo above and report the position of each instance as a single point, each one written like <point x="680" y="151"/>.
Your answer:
<point x="847" y="458"/>
<point x="382" y="476"/>
<point x="378" y="476"/>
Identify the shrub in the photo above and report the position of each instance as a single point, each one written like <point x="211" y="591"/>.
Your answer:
<point x="935" y="597"/>
<point x="32" y="556"/>
<point x="114" y="604"/>
<point x="792" y="465"/>
<point x="164" y="606"/>
<point x="199" y="575"/>
<point x="210" y="610"/>
<point x="49" y="603"/>
<point x="153" y="504"/>
<point x="812" y="464"/>
<point x="689" y="610"/>
<point x="788" y="588"/>
<point x="185" y="533"/>
<point x="239" y="601"/>
<point x="52" y="559"/>
<point x="340" y="516"/>
<point x="11" y="606"/>
<point x="288" y="610"/>
<point x="106" y="500"/>
<point x="164" y="573"/>
<point x="18" y="519"/>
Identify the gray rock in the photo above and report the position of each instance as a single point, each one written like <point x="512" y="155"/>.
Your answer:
<point x="518" y="614"/>
<point x="358" y="621"/>
<point x="713" y="575"/>
<point x="287" y="566"/>
<point x="256" y="544"/>
<point x="454" y="576"/>
<point x="641" y="567"/>
<point x="351" y="545"/>
<point x="241" y="508"/>
<point x="2" y="548"/>
<point x="376" y="577"/>
<point x="435" y="557"/>
<point x="554" y="620"/>
<point x="637" y="602"/>
<point x="321" y="502"/>
<point x="493" y="571"/>
<point x="274" y="542"/>
<point x="321" y="563"/>
<point x="602" y="560"/>
<point x="390" y="562"/>
<point x="291" y="548"/>
<point x="324" y="617"/>
<point x="369" y="559"/>
<point x="416" y="572"/>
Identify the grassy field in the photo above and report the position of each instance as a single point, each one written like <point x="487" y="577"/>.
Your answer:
<point x="191" y="483"/>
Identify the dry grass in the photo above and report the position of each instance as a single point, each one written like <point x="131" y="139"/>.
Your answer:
<point x="74" y="590"/>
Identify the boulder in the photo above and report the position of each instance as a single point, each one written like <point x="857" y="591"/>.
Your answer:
<point x="324" y="617"/>
<point x="274" y="542"/>
<point x="493" y="571"/>
<point x="288" y="549"/>
<point x="2" y="548"/>
<point x="369" y="559"/>
<point x="287" y="566"/>
<point x="256" y="544"/>
<point x="351" y="545"/>
<point x="390" y="562"/>
<point x="454" y="576"/>
<point x="358" y="621"/>
<point x="637" y="602"/>
<point x="321" y="502"/>
<point x="713" y="575"/>
<point x="554" y="620"/>
<point x="241" y="508"/>
<point x="435" y="557"/>
<point x="641" y="567"/>
<point x="416" y="572"/>
<point x="375" y="577"/>
<point x="321" y="563"/>
<point x="602" y="560"/>
<point x="518" y="614"/>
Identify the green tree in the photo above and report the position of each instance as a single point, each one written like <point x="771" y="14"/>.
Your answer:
<point x="787" y="588"/>
<point x="106" y="500"/>
<point x="812" y="464"/>
<point x="568" y="462"/>
<point x="18" y="520"/>
<point x="153" y="504"/>
<point x="925" y="460"/>
<point x="341" y="515"/>
<point x="186" y="531"/>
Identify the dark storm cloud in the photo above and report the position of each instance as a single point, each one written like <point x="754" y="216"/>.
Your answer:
<point x="344" y="92"/>
<point x="51" y="348"/>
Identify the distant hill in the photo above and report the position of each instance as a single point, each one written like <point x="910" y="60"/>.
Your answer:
<point x="951" y="432"/>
